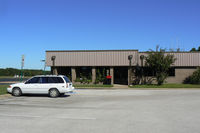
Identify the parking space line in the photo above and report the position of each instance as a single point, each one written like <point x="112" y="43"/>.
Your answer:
<point x="77" y="118"/>
<point x="31" y="116"/>
<point x="8" y="115"/>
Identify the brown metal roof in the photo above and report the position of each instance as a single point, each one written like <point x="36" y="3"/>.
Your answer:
<point x="188" y="59"/>
<point x="90" y="50"/>
<point x="91" y="57"/>
<point x="113" y="58"/>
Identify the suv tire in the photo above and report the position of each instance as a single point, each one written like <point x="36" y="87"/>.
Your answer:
<point x="16" y="92"/>
<point x="54" y="93"/>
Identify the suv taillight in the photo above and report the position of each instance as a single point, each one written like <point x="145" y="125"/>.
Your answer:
<point x="67" y="85"/>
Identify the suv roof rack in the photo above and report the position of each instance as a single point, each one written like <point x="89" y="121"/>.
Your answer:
<point x="47" y="75"/>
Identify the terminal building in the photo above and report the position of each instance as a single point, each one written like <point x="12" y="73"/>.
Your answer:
<point x="116" y="64"/>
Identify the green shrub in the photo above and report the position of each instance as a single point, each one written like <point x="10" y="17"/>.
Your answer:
<point x="194" y="78"/>
<point x="100" y="76"/>
<point x="83" y="80"/>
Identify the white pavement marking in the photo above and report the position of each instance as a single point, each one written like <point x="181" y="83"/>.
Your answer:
<point x="8" y="115"/>
<point x="28" y="116"/>
<point x="77" y="118"/>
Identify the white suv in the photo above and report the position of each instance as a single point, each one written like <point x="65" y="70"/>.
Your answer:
<point x="54" y="85"/>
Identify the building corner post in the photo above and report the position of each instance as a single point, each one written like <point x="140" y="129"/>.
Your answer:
<point x="54" y="71"/>
<point x="73" y="71"/>
<point x="112" y="75"/>
<point x="93" y="75"/>
<point x="129" y="75"/>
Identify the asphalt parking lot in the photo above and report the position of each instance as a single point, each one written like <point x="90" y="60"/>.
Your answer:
<point x="107" y="111"/>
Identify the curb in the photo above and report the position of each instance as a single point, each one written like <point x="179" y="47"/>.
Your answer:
<point x="94" y="88"/>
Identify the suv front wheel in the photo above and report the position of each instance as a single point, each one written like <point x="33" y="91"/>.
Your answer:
<point x="54" y="93"/>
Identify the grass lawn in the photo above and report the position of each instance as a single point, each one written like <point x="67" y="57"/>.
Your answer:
<point x="3" y="77"/>
<point x="91" y="85"/>
<point x="167" y="86"/>
<point x="3" y="89"/>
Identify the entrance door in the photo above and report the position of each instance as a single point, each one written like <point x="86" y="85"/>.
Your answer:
<point x="121" y="75"/>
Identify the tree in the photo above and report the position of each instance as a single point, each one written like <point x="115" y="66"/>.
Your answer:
<point x="193" y="49"/>
<point x="198" y="48"/>
<point x="159" y="63"/>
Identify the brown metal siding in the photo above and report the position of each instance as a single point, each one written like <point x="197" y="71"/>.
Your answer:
<point x="91" y="58"/>
<point x="187" y="59"/>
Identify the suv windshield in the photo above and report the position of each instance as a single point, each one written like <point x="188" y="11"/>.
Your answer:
<point x="66" y="79"/>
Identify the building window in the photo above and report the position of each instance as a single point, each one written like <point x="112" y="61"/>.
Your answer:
<point x="84" y="73"/>
<point x="171" y="71"/>
<point x="146" y="71"/>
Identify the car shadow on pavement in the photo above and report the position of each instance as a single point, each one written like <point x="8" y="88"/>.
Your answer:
<point x="43" y="95"/>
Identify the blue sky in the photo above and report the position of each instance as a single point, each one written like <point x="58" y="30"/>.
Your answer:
<point x="31" y="27"/>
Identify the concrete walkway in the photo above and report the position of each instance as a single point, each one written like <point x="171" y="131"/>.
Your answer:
<point x="119" y="86"/>
<point x="5" y="96"/>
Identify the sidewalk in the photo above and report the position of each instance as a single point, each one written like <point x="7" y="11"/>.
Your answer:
<point x="5" y="96"/>
<point x="118" y="86"/>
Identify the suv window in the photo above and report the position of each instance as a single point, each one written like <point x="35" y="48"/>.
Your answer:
<point x="55" y="80"/>
<point x="66" y="79"/>
<point x="33" y="80"/>
<point x="43" y="80"/>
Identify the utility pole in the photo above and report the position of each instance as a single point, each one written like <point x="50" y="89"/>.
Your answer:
<point x="44" y="66"/>
<point x="22" y="65"/>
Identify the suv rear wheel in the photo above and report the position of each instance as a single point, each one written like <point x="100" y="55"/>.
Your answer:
<point x="16" y="92"/>
<point x="54" y="93"/>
